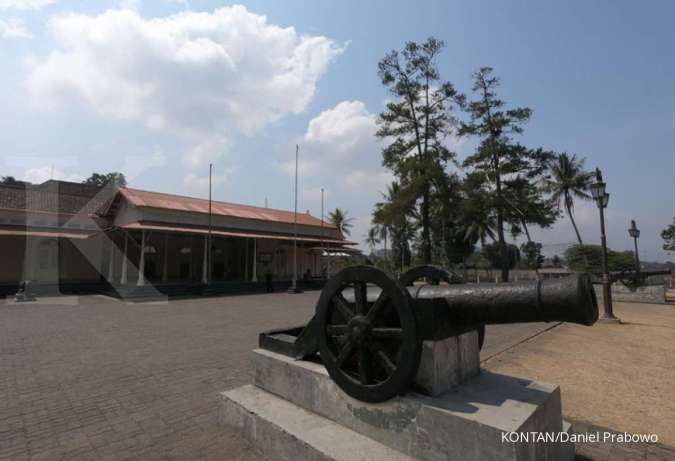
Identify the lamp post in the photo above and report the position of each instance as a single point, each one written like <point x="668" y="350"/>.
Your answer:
<point x="635" y="233"/>
<point x="601" y="197"/>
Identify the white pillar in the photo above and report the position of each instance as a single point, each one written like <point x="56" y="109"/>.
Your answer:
<point x="141" y="263"/>
<point x="165" y="270"/>
<point x="123" y="277"/>
<point x="245" y="258"/>
<point x="205" y="279"/>
<point x="111" y="263"/>
<point x="255" y="260"/>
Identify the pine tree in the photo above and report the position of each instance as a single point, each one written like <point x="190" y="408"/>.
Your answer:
<point x="417" y="122"/>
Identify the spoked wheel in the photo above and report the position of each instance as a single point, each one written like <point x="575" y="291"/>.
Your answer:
<point x="367" y="334"/>
<point x="434" y="275"/>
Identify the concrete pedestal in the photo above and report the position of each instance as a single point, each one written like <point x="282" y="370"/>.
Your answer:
<point x="448" y="363"/>
<point x="466" y="422"/>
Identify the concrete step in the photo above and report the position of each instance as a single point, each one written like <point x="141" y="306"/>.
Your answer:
<point x="284" y="431"/>
<point x="465" y="423"/>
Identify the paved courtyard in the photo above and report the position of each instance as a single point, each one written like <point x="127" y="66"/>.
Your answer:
<point x="102" y="379"/>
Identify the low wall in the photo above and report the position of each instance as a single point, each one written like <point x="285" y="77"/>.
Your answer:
<point x="646" y="294"/>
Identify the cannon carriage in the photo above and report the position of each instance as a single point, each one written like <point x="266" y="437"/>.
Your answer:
<point x="368" y="327"/>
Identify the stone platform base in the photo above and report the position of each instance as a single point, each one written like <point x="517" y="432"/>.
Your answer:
<point x="294" y="409"/>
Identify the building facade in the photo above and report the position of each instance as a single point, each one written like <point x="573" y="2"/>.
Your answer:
<point x="66" y="233"/>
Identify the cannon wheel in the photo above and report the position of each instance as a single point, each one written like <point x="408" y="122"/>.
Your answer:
<point x="434" y="276"/>
<point x="371" y="349"/>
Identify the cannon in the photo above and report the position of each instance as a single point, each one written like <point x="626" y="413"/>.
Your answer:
<point x="368" y="327"/>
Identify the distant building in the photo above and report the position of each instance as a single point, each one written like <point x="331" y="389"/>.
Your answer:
<point x="59" y="231"/>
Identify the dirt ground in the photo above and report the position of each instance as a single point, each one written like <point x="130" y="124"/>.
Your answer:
<point x="620" y="377"/>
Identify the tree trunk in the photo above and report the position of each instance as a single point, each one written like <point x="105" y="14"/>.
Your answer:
<point x="576" y="231"/>
<point x="500" y="226"/>
<point x="426" y="231"/>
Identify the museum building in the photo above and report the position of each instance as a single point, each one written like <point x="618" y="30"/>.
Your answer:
<point x="65" y="233"/>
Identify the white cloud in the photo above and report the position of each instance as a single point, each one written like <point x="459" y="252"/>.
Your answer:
<point x="14" y="28"/>
<point x="135" y="165"/>
<point x="207" y="151"/>
<point x="196" y="184"/>
<point x="340" y="152"/>
<point x="45" y="173"/>
<point x="337" y="140"/>
<point x="25" y="4"/>
<point x="190" y="72"/>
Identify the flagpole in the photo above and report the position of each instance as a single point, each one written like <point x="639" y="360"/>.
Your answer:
<point x="294" y="287"/>
<point x="208" y="259"/>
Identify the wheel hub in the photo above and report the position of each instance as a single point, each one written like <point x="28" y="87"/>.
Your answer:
<point x="359" y="328"/>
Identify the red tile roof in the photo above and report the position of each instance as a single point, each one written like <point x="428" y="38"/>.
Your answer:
<point x="143" y="198"/>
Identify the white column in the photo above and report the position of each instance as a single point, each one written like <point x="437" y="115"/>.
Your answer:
<point x="111" y="263"/>
<point x="165" y="270"/>
<point x="205" y="279"/>
<point x="123" y="277"/>
<point x="141" y="263"/>
<point x="245" y="258"/>
<point x="255" y="260"/>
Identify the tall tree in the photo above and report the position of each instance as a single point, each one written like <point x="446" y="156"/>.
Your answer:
<point x="416" y="123"/>
<point x="104" y="179"/>
<point x="668" y="236"/>
<point x="394" y="213"/>
<point x="372" y="238"/>
<point x="341" y="221"/>
<point x="496" y="158"/>
<point x="568" y="180"/>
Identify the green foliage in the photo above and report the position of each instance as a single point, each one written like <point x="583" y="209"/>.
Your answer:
<point x="10" y="181"/>
<point x="339" y="219"/>
<point x="105" y="179"/>
<point x="556" y="261"/>
<point x="416" y="123"/>
<point x="577" y="255"/>
<point x="506" y="173"/>
<point x="372" y="237"/>
<point x="532" y="256"/>
<point x="393" y="213"/>
<point x="492" y="252"/>
<point x="568" y="180"/>
<point x="668" y="236"/>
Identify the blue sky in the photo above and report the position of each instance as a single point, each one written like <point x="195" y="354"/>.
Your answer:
<point x="159" y="89"/>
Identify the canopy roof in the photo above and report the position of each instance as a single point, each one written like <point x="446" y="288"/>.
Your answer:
<point x="218" y="231"/>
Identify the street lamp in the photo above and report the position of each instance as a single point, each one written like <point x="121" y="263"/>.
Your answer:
<point x="601" y="197"/>
<point x="634" y="232"/>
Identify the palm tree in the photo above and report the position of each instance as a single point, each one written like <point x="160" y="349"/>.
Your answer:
<point x="339" y="219"/>
<point x="568" y="181"/>
<point x="372" y="238"/>
<point x="383" y="231"/>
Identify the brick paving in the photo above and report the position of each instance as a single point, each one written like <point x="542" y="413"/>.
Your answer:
<point x="103" y="379"/>
<point x="109" y="380"/>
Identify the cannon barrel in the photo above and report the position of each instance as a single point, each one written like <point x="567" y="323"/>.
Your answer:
<point x="570" y="299"/>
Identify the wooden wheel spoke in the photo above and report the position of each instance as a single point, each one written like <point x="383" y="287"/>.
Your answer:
<point x="345" y="353"/>
<point x="337" y="330"/>
<point x="361" y="297"/>
<point x="377" y="307"/>
<point x="383" y="358"/>
<point x="387" y="333"/>
<point x="364" y="366"/>
<point x="343" y="306"/>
